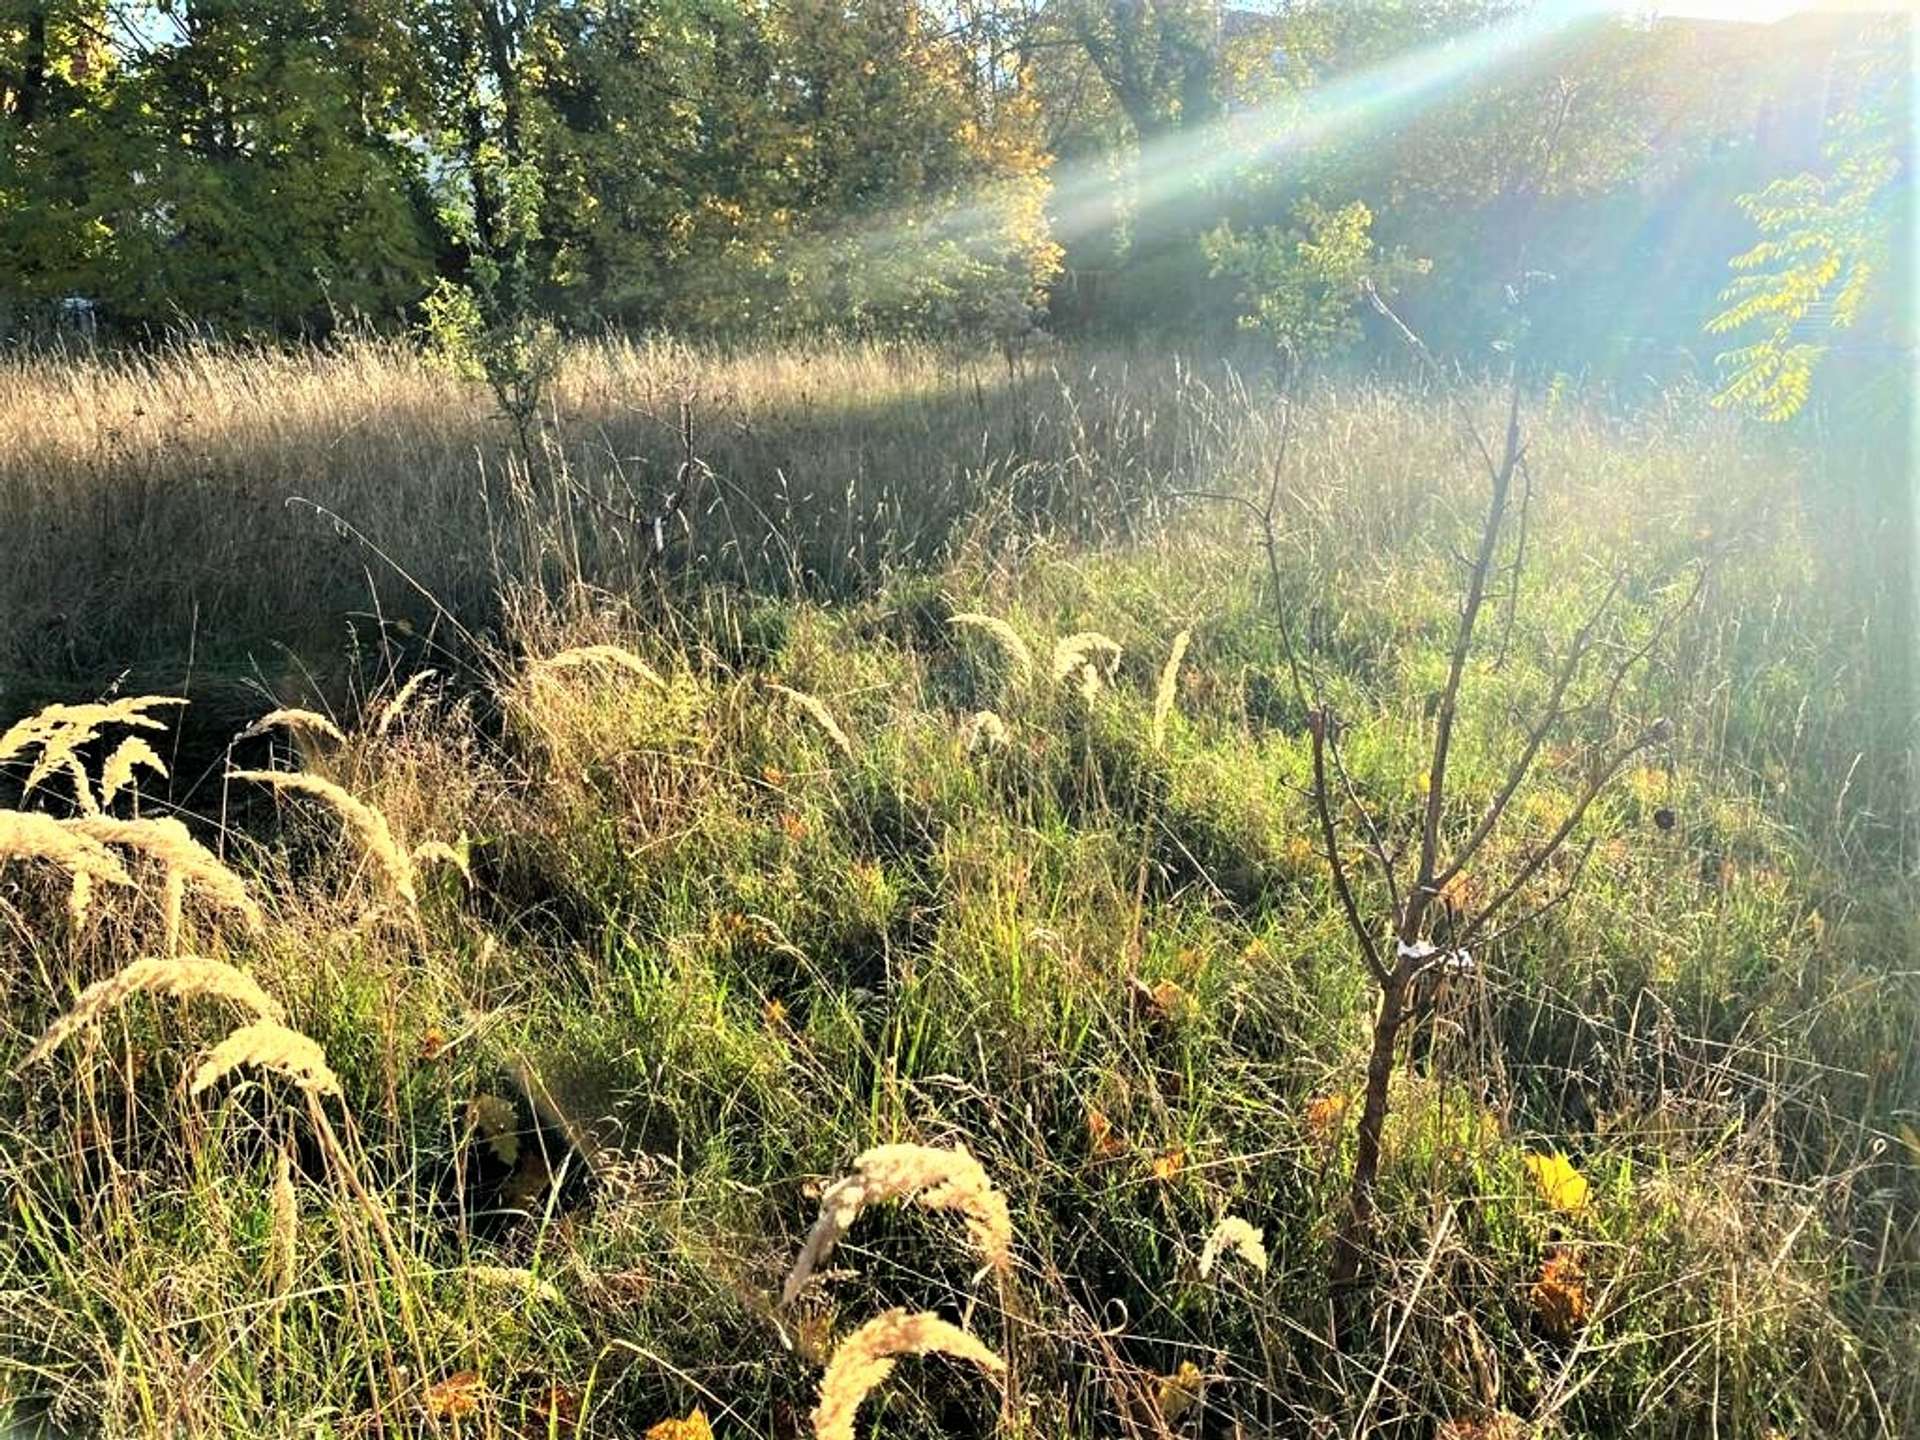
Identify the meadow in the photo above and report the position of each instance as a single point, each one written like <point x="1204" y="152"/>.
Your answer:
<point x="826" y="855"/>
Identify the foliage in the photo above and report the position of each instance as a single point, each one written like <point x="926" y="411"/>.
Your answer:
<point x="1300" y="286"/>
<point x="1820" y="267"/>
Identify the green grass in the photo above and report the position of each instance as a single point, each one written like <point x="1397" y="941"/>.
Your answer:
<point x="708" y="958"/>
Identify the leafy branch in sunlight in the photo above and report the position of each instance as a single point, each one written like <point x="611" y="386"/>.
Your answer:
<point x="1820" y="267"/>
<point x="1301" y="286"/>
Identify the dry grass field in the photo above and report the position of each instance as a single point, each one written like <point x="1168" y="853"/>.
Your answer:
<point x="822" y="862"/>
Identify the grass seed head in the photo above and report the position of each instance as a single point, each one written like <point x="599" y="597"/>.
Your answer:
<point x="183" y="978"/>
<point x="1164" y="692"/>
<point x="1004" y="636"/>
<point x="311" y="721"/>
<point x="118" y="773"/>
<point x="611" y="656"/>
<point x="1087" y="660"/>
<point x="1234" y="1235"/>
<point x="818" y="712"/>
<point x="367" y="824"/>
<point x="268" y="1045"/>
<point x="391" y="712"/>
<point x="866" y="1358"/>
<point x="933" y="1178"/>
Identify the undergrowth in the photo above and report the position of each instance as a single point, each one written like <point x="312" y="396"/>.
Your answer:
<point x="538" y="1016"/>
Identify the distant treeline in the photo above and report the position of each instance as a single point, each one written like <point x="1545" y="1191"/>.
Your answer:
<point x="937" y="167"/>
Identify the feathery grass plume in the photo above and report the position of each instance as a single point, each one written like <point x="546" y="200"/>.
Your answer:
<point x="391" y="712"/>
<point x="117" y="774"/>
<point x="1087" y="659"/>
<point x="1164" y="692"/>
<point x="611" y="655"/>
<point x="866" y="1358"/>
<point x="368" y="825"/>
<point x="984" y="730"/>
<point x="515" y="1277"/>
<point x="294" y="719"/>
<point x="268" y="1045"/>
<point x="428" y="852"/>
<point x="67" y="727"/>
<point x="183" y="978"/>
<point x="934" y="1179"/>
<point x="284" y="1240"/>
<point x="188" y="862"/>
<point x="1236" y="1235"/>
<point x="29" y="835"/>
<point x="817" y="710"/>
<point x="1004" y="635"/>
<point x="80" y="899"/>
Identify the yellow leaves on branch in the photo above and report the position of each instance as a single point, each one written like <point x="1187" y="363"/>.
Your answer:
<point x="866" y="1358"/>
<point x="932" y="1178"/>
<point x="1561" y="1186"/>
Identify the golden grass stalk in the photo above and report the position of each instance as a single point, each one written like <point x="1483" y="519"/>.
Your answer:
<point x="368" y="825"/>
<point x="169" y="842"/>
<point x="610" y="655"/>
<point x="429" y="852"/>
<point x="391" y="712"/>
<point x="817" y="710"/>
<point x="866" y="1358"/>
<point x="1236" y="1236"/>
<point x="284" y="1242"/>
<point x="514" y="1277"/>
<point x="268" y="1045"/>
<point x="183" y="978"/>
<point x="1004" y="636"/>
<point x="1087" y="659"/>
<point x="1163" y="694"/>
<point x="67" y="727"/>
<point x="118" y="772"/>
<point x="934" y="1179"/>
<point x="984" y="730"/>
<point x="294" y="720"/>
<point x="29" y="835"/>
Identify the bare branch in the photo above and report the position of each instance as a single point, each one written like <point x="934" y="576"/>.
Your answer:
<point x="1654" y="734"/>
<point x="1319" y="722"/>
<point x="1555" y="710"/>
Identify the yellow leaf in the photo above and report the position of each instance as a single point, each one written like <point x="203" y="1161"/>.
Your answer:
<point x="1179" y="1392"/>
<point x="694" y="1427"/>
<point x="455" y="1397"/>
<point x="1561" y="1186"/>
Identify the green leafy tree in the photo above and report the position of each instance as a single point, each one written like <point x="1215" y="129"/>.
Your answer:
<point x="1301" y="285"/>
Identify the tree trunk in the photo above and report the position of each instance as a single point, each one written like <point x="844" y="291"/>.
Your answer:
<point x="1356" y="1229"/>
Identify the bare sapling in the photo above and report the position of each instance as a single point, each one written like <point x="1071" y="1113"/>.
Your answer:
<point x="1417" y="868"/>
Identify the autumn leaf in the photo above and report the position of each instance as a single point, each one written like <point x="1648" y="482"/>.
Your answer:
<point x="1561" y="1186"/>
